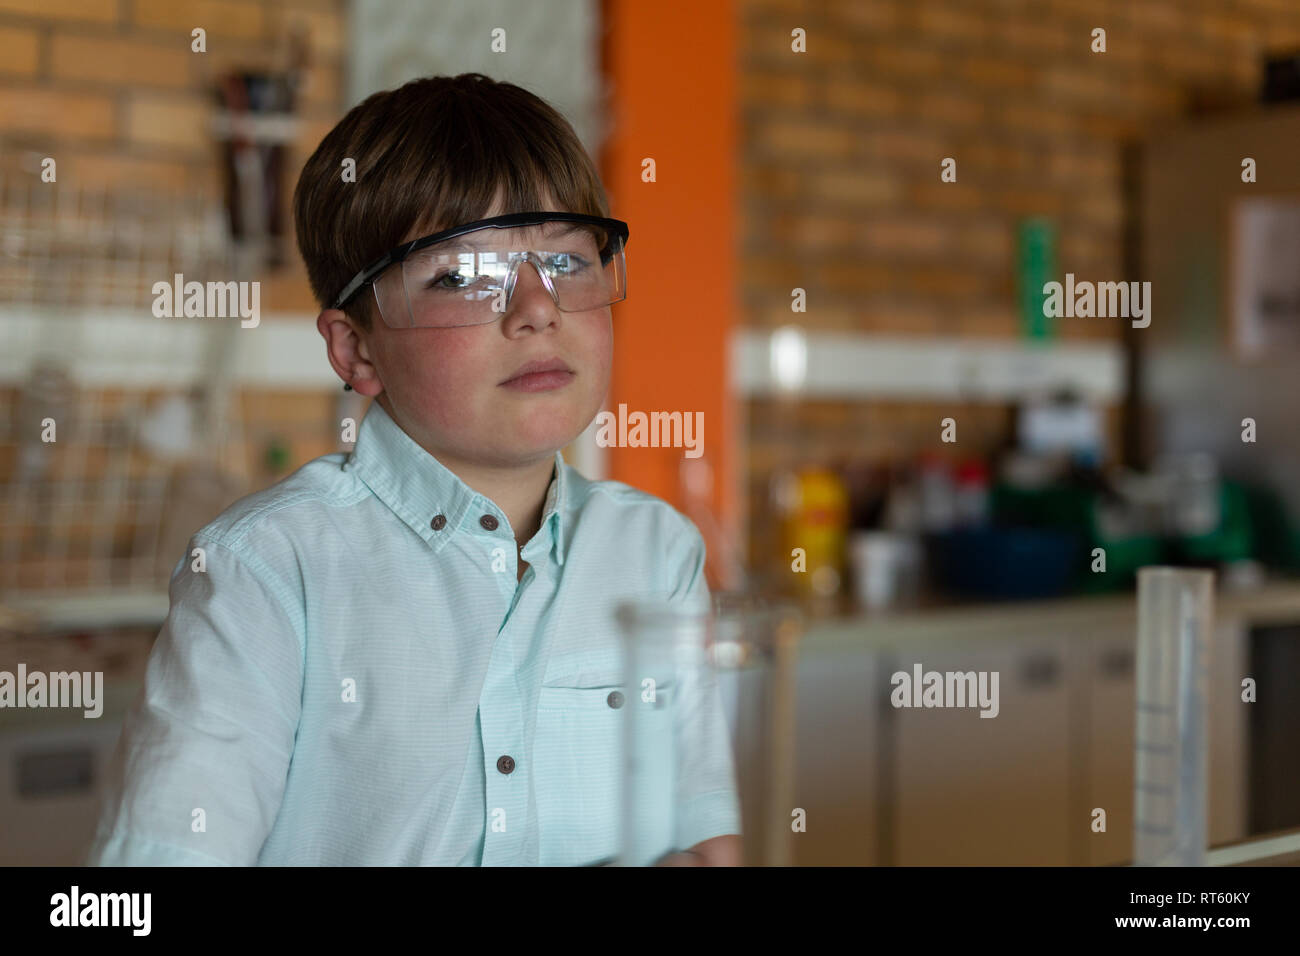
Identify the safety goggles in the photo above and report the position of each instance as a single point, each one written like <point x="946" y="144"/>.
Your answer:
<point x="467" y="275"/>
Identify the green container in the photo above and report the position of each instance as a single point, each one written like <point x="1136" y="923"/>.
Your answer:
<point x="1254" y="524"/>
<point x="1277" y="539"/>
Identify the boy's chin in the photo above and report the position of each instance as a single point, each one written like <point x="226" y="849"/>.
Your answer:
<point x="541" y="443"/>
<point x="552" y="426"/>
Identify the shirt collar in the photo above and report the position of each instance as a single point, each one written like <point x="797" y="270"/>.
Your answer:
<point x="417" y="488"/>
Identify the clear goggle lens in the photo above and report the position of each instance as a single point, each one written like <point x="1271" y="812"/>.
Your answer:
<point x="469" y="280"/>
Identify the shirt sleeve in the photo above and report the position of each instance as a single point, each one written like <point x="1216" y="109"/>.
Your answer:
<point x="707" y="802"/>
<point x="199" y="772"/>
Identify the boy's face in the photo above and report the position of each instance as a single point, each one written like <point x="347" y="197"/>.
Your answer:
<point x="444" y="386"/>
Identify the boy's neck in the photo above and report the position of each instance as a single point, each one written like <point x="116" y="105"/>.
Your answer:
<point x="519" y="491"/>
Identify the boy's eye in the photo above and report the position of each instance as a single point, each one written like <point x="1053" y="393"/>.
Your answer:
<point x="451" y="281"/>
<point x="566" y="263"/>
<point x="454" y="280"/>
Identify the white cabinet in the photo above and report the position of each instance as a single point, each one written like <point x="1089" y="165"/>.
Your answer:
<point x="837" y="762"/>
<point x="978" y="790"/>
<point x="1108" y="702"/>
<point x="51" y="784"/>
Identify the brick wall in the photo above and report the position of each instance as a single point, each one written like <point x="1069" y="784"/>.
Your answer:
<point x="840" y="175"/>
<point x="112" y="91"/>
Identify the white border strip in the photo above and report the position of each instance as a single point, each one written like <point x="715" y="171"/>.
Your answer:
<point x="847" y="365"/>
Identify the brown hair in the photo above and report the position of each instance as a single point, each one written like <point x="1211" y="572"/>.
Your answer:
<point x="429" y="155"/>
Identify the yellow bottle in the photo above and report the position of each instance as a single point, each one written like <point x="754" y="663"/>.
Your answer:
<point x="814" y="529"/>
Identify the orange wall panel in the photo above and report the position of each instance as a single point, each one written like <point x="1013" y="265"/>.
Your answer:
<point x="672" y="73"/>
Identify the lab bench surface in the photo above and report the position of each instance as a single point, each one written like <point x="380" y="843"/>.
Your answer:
<point x="1277" y="600"/>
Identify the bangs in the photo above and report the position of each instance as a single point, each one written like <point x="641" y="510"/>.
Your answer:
<point x="475" y="151"/>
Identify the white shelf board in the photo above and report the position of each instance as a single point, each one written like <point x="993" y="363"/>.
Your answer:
<point x="133" y="348"/>
<point x="86" y="610"/>
<point x="849" y="365"/>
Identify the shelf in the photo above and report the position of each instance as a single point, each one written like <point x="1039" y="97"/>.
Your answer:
<point x="846" y="365"/>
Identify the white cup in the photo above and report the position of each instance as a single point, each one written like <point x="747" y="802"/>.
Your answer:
<point x="885" y="566"/>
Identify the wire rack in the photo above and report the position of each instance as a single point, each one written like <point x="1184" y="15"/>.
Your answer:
<point x="142" y="407"/>
<point x="65" y="245"/>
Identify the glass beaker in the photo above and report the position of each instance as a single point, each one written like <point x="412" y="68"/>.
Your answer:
<point x="1175" y="621"/>
<point x="709" y="727"/>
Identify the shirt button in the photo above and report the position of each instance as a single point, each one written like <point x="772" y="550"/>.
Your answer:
<point x="506" y="764"/>
<point x="439" y="522"/>
<point x="488" y="522"/>
<point x="615" y="699"/>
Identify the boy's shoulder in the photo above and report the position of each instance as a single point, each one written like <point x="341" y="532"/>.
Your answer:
<point x="321" y="482"/>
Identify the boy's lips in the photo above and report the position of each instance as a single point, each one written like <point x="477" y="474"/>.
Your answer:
<point x="532" y="372"/>
<point x="539" y="381"/>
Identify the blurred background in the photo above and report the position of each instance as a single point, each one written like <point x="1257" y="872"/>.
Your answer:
<point x="897" y="441"/>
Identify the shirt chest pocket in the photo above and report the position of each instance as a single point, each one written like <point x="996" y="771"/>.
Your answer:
<point x="581" y="749"/>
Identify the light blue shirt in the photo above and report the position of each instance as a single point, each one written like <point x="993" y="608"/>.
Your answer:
<point x="342" y="680"/>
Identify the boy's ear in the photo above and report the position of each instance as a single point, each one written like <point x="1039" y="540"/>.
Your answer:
<point x="347" y="347"/>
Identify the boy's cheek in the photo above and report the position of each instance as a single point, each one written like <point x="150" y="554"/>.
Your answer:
<point x="427" y="372"/>
<point x="430" y="350"/>
<point x="448" y="404"/>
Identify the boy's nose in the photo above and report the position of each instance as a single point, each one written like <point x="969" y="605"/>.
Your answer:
<point x="528" y="284"/>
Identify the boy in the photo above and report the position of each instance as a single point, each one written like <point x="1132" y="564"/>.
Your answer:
<point x="356" y="668"/>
